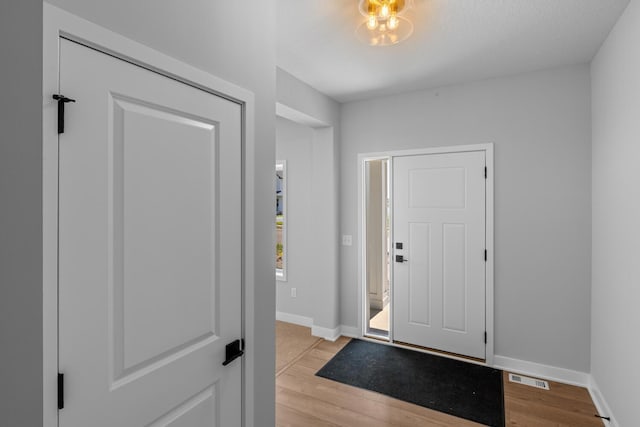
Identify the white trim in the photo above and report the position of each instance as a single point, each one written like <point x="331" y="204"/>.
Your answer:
<point x="538" y="370"/>
<point x="294" y="318"/>
<point x="600" y="403"/>
<point x="561" y="375"/>
<point x="392" y="265"/>
<point x="57" y="23"/>
<point x="318" y="331"/>
<point x="349" y="331"/>
<point x="363" y="310"/>
<point x="326" y="333"/>
<point x="299" y="117"/>
<point x="489" y="230"/>
<point x="428" y="150"/>
<point x="489" y="264"/>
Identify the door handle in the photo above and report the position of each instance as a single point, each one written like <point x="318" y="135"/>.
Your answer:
<point x="401" y="258"/>
<point x="233" y="350"/>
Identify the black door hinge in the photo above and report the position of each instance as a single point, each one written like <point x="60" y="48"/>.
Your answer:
<point x="233" y="350"/>
<point x="60" y="391"/>
<point x="601" y="417"/>
<point x="485" y="337"/>
<point x="485" y="172"/>
<point x="61" y="101"/>
<point x="485" y="255"/>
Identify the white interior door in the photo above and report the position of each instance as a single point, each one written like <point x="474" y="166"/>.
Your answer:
<point x="439" y="219"/>
<point x="149" y="248"/>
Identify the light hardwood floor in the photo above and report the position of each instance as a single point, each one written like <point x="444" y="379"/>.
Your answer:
<point x="292" y="341"/>
<point x="305" y="400"/>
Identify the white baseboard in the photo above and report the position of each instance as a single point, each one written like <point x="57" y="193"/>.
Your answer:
<point x="562" y="375"/>
<point x="294" y="318"/>
<point x="318" y="331"/>
<point x="552" y="373"/>
<point x="349" y="331"/>
<point x="326" y="333"/>
<point x="601" y="404"/>
<point x="335" y="333"/>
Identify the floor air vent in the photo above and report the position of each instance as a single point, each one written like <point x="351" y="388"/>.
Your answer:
<point x="532" y="382"/>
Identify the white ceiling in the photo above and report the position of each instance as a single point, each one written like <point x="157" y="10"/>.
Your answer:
<point x="454" y="41"/>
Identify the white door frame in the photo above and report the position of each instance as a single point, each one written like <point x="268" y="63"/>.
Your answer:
<point x="56" y="24"/>
<point x="489" y="289"/>
<point x="362" y="241"/>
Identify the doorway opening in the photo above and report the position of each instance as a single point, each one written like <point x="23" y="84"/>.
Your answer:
<point x="377" y="247"/>
<point x="426" y="249"/>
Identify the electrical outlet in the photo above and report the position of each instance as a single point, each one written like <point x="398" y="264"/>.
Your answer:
<point x="293" y="292"/>
<point x="347" y="240"/>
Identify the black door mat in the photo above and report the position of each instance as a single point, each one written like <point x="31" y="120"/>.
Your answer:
<point x="462" y="389"/>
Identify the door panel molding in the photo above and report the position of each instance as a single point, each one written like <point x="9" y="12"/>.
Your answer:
<point x="488" y="149"/>
<point x="448" y="191"/>
<point x="57" y="25"/>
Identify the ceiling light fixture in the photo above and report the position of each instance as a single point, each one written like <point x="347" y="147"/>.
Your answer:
<point x="384" y="26"/>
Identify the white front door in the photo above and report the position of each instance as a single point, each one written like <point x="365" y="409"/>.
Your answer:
<point x="149" y="248"/>
<point x="439" y="219"/>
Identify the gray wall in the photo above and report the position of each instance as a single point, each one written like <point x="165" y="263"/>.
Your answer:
<point x="615" y="346"/>
<point x="21" y="213"/>
<point x="294" y="144"/>
<point x="235" y="41"/>
<point x="540" y="125"/>
<point x="303" y="104"/>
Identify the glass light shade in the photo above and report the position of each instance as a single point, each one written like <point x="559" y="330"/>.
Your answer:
<point x="384" y="11"/>
<point x="393" y="22"/>
<point x="383" y="35"/>
<point x="368" y="7"/>
<point x="372" y="23"/>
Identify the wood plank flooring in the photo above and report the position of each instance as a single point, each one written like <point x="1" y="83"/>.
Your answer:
<point x="292" y="341"/>
<point x="562" y="405"/>
<point x="305" y="400"/>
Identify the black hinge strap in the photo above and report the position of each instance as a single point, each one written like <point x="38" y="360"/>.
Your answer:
<point x="233" y="350"/>
<point x="61" y="101"/>
<point x="485" y="254"/>
<point x="60" y="391"/>
<point x="485" y="337"/>
<point x="485" y="172"/>
<point x="604" y="418"/>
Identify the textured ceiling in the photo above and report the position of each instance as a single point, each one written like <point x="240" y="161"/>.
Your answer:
<point x="454" y="41"/>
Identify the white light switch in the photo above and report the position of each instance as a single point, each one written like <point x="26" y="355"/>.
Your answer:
<point x="346" y="240"/>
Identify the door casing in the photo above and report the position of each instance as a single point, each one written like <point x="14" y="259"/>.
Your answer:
<point x="61" y="24"/>
<point x="489" y="271"/>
